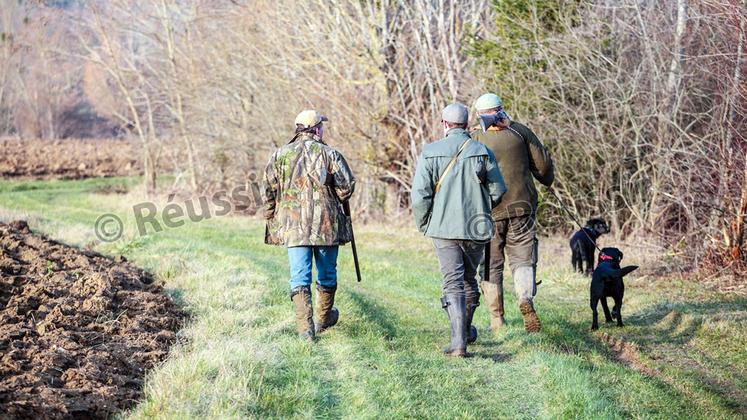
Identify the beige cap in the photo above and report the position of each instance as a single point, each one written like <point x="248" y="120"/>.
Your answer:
<point x="309" y="118"/>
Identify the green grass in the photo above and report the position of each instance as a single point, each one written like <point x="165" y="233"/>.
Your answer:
<point x="240" y="356"/>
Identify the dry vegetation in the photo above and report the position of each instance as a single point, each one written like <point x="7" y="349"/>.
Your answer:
<point x="642" y="103"/>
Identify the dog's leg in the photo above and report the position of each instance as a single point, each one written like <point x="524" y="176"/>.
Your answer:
<point x="617" y="310"/>
<point x="594" y="314"/>
<point x="576" y="257"/>
<point x="607" y="316"/>
<point x="589" y="254"/>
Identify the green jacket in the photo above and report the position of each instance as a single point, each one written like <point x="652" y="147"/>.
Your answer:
<point x="521" y="157"/>
<point x="304" y="185"/>
<point x="473" y="186"/>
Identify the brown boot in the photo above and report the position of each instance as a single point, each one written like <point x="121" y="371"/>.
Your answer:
<point x="494" y="300"/>
<point x="531" y="322"/>
<point x="327" y="315"/>
<point x="301" y="298"/>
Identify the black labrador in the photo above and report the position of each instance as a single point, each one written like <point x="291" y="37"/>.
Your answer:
<point x="607" y="281"/>
<point x="584" y="242"/>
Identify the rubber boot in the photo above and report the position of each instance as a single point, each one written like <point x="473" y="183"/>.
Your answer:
<point x="472" y="303"/>
<point x="301" y="298"/>
<point x="525" y="289"/>
<point x="457" y="313"/>
<point x="494" y="300"/>
<point x="531" y="321"/>
<point x="327" y="315"/>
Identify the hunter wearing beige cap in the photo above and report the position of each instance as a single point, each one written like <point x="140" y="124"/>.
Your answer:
<point x="309" y="118"/>
<point x="305" y="184"/>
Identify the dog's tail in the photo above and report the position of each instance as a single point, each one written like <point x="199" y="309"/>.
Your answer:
<point x="627" y="270"/>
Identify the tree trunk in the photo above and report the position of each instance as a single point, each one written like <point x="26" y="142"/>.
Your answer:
<point x="737" y="248"/>
<point x="734" y="232"/>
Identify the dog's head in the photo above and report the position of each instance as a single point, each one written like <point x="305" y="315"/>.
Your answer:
<point x="598" y="225"/>
<point x="611" y="255"/>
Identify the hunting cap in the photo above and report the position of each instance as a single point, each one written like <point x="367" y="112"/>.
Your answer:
<point x="488" y="101"/>
<point x="455" y="113"/>
<point x="309" y="118"/>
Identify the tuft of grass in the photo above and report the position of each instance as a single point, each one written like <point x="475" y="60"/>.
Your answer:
<point x="239" y="356"/>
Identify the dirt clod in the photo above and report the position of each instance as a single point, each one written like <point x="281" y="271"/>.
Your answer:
<point x="77" y="330"/>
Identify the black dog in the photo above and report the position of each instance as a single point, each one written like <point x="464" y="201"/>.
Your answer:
<point x="583" y="243"/>
<point x="607" y="281"/>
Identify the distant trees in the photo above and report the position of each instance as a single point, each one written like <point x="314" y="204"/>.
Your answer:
<point x="40" y="75"/>
<point x="643" y="103"/>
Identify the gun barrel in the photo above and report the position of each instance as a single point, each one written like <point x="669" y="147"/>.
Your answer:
<point x="346" y="208"/>
<point x="486" y="264"/>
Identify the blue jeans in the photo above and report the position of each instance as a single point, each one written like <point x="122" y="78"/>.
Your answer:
<point x="300" y="265"/>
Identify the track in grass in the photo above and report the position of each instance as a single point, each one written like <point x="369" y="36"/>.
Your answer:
<point x="242" y="357"/>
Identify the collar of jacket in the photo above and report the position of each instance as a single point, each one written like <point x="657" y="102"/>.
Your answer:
<point x="306" y="136"/>
<point x="456" y="131"/>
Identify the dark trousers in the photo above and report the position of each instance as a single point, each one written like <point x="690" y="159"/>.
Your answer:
<point x="516" y="237"/>
<point x="458" y="260"/>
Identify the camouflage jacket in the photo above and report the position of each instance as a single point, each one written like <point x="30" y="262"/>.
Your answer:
<point x="304" y="185"/>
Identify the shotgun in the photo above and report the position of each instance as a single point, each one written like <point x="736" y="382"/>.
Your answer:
<point x="346" y="209"/>
<point x="486" y="264"/>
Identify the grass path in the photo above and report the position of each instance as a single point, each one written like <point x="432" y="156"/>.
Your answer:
<point x="684" y="353"/>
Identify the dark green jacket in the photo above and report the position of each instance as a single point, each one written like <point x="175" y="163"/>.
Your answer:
<point x="521" y="157"/>
<point x="304" y="184"/>
<point x="473" y="186"/>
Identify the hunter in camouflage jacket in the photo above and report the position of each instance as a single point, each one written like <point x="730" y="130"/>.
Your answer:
<point x="304" y="185"/>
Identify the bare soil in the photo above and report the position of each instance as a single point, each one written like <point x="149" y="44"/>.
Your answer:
<point x="71" y="159"/>
<point x="626" y="353"/>
<point x="78" y="330"/>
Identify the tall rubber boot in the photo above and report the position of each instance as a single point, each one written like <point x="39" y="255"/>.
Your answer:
<point x="327" y="315"/>
<point x="472" y="303"/>
<point x="457" y="313"/>
<point x="494" y="300"/>
<point x="301" y="298"/>
<point x="525" y="288"/>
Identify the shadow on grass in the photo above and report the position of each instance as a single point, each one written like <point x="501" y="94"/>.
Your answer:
<point x="495" y="357"/>
<point x="671" y="327"/>
<point x="575" y="338"/>
<point x="177" y="296"/>
<point x="280" y="389"/>
<point x="374" y="314"/>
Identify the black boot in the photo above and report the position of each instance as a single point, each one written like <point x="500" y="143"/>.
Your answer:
<point x="471" y="303"/>
<point x="455" y="309"/>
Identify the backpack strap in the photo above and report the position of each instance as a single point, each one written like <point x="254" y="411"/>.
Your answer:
<point x="450" y="165"/>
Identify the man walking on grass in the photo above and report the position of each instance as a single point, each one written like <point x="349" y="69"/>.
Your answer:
<point x="456" y="184"/>
<point x="521" y="157"/>
<point x="305" y="183"/>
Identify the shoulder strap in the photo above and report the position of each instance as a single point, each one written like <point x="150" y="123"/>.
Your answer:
<point x="517" y="133"/>
<point x="451" y="164"/>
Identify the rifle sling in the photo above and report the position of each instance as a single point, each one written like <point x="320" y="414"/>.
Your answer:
<point x="450" y="165"/>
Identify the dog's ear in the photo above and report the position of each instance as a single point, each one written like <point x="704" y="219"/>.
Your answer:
<point x="621" y="255"/>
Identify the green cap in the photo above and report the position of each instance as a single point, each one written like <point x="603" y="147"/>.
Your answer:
<point x="488" y="101"/>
